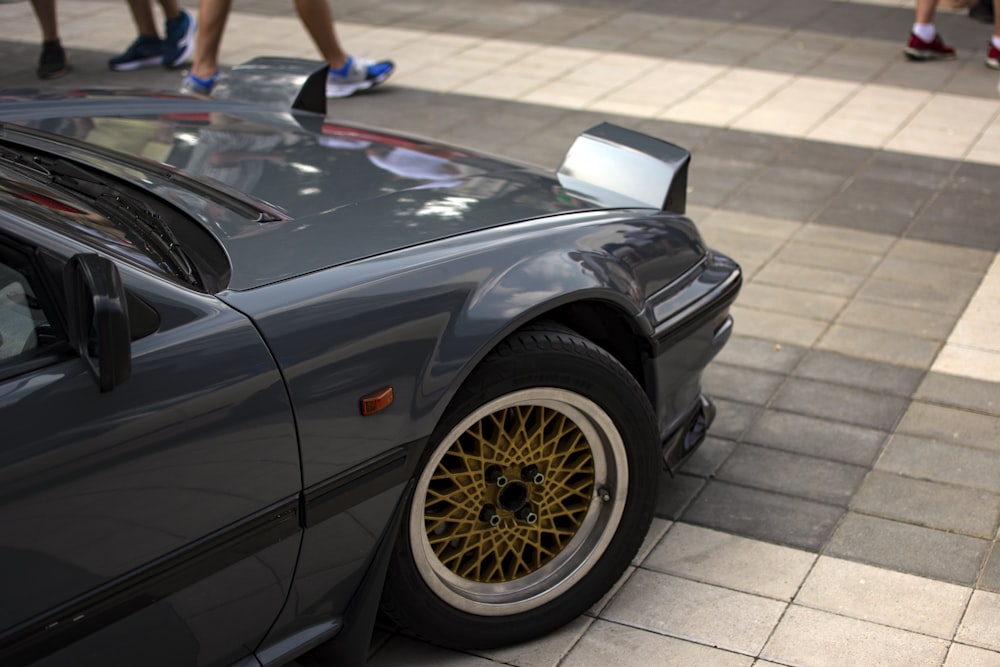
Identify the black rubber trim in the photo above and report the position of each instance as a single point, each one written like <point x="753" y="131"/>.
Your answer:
<point x="337" y="494"/>
<point x="706" y="309"/>
<point x="84" y="615"/>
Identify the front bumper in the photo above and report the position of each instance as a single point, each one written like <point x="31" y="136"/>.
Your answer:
<point x="680" y="444"/>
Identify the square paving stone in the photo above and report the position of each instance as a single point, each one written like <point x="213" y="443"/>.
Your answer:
<point x="942" y="461"/>
<point x="708" y="458"/>
<point x="821" y="438"/>
<point x="675" y="494"/>
<point x="846" y="404"/>
<point x="821" y="639"/>
<point x="761" y="354"/>
<point x="736" y="383"/>
<point x="792" y="301"/>
<point x="887" y="347"/>
<point x="764" y="515"/>
<point x="886" y="317"/>
<point x="908" y="548"/>
<point x="990" y="578"/>
<point x="609" y="643"/>
<point x="863" y="373"/>
<point x="959" y="392"/>
<point x="895" y="599"/>
<point x="952" y="425"/>
<point x="704" y="613"/>
<point x="946" y="507"/>
<point x="979" y="627"/>
<point x="732" y="419"/>
<point x="807" y="477"/>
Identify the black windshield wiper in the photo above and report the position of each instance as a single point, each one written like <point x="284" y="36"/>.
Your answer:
<point x="126" y="210"/>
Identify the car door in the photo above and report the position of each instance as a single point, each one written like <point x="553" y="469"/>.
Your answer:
<point x="154" y="523"/>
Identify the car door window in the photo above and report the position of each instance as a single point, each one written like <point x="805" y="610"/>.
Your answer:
<point x="23" y="323"/>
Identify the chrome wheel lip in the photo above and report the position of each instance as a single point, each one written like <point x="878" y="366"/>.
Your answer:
<point x="580" y="555"/>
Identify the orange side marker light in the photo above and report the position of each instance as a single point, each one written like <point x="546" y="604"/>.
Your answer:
<point x="376" y="402"/>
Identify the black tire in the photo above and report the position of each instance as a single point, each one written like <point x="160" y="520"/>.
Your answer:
<point x="537" y="491"/>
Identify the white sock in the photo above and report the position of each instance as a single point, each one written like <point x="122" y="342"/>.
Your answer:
<point x="925" y="31"/>
<point x="996" y="41"/>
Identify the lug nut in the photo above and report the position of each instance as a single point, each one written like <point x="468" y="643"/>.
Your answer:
<point x="531" y="474"/>
<point x="489" y="515"/>
<point x="526" y="515"/>
<point x="494" y="475"/>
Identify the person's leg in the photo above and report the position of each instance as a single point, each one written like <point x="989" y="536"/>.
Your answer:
<point x="212" y="17"/>
<point x="45" y="12"/>
<point x="317" y="19"/>
<point x="347" y="75"/>
<point x="52" y="63"/>
<point x="178" y="34"/>
<point x="147" y="49"/>
<point x="993" y="52"/>
<point x="925" y="43"/>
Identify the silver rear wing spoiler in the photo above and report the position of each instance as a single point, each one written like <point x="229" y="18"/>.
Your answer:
<point x="282" y="82"/>
<point x="609" y="162"/>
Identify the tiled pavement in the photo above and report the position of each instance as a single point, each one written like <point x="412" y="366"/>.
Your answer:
<point x="846" y="508"/>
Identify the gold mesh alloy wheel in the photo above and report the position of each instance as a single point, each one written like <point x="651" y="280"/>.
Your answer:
<point x="519" y="501"/>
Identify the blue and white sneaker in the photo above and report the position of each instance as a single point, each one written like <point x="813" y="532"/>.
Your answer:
<point x="179" y="42"/>
<point x="193" y="85"/>
<point x="357" y="74"/>
<point x="143" y="52"/>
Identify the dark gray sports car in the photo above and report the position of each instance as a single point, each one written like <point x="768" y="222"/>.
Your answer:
<point x="262" y="374"/>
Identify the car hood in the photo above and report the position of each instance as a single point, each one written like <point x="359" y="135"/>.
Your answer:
<point x="335" y="192"/>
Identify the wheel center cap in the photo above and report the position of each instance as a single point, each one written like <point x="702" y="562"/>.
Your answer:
<point x="513" y="497"/>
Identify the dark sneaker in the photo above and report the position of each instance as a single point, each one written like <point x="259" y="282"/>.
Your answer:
<point x="357" y="74"/>
<point x="143" y="52"/>
<point x="179" y="42"/>
<point x="52" y="63"/>
<point x="993" y="57"/>
<point x="918" y="49"/>
<point x="982" y="11"/>
<point x="193" y="85"/>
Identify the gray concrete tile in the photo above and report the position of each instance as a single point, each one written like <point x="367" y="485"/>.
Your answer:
<point x="675" y="494"/>
<point x="923" y="324"/>
<point x="707" y="459"/>
<point x="746" y="565"/>
<point x="863" y="373"/>
<point x="850" y="239"/>
<point x="764" y="515"/>
<point x="792" y="301"/>
<point x="881" y="596"/>
<point x="887" y="347"/>
<point x="546" y="651"/>
<point x="922" y="272"/>
<point x="939" y="298"/>
<point x="989" y="580"/>
<point x="776" y="327"/>
<point x="611" y="643"/>
<point x="796" y="475"/>
<point x="942" y="461"/>
<point x="737" y="383"/>
<point x="824" y="281"/>
<point x="967" y="259"/>
<point x="909" y="548"/>
<point x="946" y="507"/>
<point x="732" y="419"/>
<point x="405" y="651"/>
<point x="820" y="438"/>
<point x="821" y="639"/>
<point x="761" y="354"/>
<point x="706" y="614"/>
<point x="979" y="627"/>
<point x="978" y="395"/>
<point x="826" y="257"/>
<point x="846" y="404"/>
<point x="952" y="425"/>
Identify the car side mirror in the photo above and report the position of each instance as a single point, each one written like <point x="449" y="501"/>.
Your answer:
<point x="97" y="318"/>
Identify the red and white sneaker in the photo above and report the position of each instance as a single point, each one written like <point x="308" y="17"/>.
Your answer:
<point x="993" y="57"/>
<point x="918" y="49"/>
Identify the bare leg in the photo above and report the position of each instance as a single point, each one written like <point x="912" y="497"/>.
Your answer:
<point x="316" y="17"/>
<point x="45" y="12"/>
<point x="212" y="16"/>
<point x="171" y="9"/>
<point x="925" y="11"/>
<point x="142" y="14"/>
